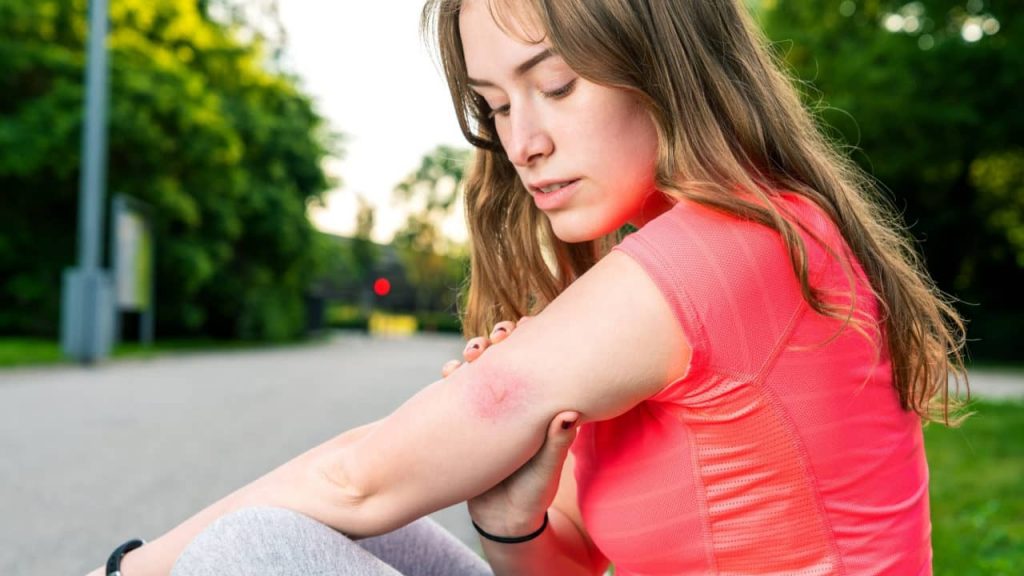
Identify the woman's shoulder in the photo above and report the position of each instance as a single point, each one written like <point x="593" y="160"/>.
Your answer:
<point x="725" y="275"/>
<point x="693" y="215"/>
<point x="690" y="226"/>
<point x="696" y="236"/>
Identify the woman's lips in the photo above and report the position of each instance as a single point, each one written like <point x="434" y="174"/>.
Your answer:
<point x="546" y="201"/>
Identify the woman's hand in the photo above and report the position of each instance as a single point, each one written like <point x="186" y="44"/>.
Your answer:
<point x="476" y="346"/>
<point x="517" y="505"/>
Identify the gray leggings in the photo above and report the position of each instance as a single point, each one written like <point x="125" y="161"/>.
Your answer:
<point x="278" y="542"/>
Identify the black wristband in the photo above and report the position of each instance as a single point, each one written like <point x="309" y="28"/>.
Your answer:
<point x="114" y="562"/>
<point x="513" y="539"/>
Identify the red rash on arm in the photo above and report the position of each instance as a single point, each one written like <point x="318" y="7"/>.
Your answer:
<point x="494" y="392"/>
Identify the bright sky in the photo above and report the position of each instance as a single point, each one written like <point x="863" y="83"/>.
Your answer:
<point x="375" y="81"/>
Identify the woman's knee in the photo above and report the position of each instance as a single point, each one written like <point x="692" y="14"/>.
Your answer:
<point x="265" y="540"/>
<point x="256" y="527"/>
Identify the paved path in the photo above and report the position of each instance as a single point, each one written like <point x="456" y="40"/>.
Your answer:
<point x="997" y="384"/>
<point x="92" y="457"/>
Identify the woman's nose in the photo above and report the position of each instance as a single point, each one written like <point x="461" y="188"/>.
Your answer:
<point x="529" y="139"/>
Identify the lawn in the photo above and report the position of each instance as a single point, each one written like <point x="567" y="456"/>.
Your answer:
<point x="977" y="492"/>
<point x="23" y="352"/>
<point x="27" y="351"/>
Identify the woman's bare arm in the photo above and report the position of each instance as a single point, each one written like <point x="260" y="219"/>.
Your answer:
<point x="607" y="343"/>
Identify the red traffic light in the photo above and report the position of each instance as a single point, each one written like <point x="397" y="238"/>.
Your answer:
<point x="381" y="287"/>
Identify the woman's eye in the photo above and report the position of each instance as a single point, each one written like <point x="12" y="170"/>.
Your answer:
<point x="563" y="91"/>
<point x="499" y="111"/>
<point x="558" y="93"/>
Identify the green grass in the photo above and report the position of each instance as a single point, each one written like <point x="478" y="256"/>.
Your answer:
<point x="28" y="351"/>
<point x="977" y="475"/>
<point x="16" y="352"/>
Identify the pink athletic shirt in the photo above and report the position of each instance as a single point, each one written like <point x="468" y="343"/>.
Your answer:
<point x="783" y="450"/>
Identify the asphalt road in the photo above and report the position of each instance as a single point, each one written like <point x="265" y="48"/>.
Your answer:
<point x="94" y="456"/>
<point x="90" y="457"/>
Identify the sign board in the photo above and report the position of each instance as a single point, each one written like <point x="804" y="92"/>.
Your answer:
<point x="134" y="266"/>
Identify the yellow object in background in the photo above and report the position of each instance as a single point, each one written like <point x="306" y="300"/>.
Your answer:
<point x="392" y="324"/>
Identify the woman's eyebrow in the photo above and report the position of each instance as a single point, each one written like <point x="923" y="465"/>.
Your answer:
<point x="520" y="70"/>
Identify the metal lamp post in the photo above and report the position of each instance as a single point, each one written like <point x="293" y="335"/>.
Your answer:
<point x="87" y="294"/>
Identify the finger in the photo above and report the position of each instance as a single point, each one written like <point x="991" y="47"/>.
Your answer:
<point x="563" y="422"/>
<point x="502" y="330"/>
<point x="562" y="430"/>
<point x="561" y="433"/>
<point x="525" y="319"/>
<point x="474" y="348"/>
<point x="449" y="367"/>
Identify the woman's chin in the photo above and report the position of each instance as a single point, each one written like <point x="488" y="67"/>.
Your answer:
<point x="573" y="231"/>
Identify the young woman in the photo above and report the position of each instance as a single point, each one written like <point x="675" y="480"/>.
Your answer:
<point x="736" y="387"/>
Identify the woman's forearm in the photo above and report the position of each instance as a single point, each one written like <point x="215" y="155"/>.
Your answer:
<point x="297" y="485"/>
<point x="558" y="551"/>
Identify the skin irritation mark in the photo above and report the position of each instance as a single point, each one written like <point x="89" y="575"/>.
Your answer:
<point x="493" y="393"/>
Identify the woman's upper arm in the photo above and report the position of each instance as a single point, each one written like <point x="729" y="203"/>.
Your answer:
<point x="604" y="345"/>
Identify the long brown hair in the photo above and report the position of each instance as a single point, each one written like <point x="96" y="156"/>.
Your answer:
<point x="728" y="118"/>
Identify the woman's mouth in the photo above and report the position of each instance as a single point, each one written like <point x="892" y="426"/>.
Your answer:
<point x="555" y="195"/>
<point x="553" y="187"/>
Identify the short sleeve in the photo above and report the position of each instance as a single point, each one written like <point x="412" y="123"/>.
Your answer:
<point x="729" y="283"/>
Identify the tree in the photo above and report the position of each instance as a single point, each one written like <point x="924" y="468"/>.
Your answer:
<point x="257" y="21"/>
<point x="433" y="265"/>
<point x="228" y="153"/>
<point x="364" y="252"/>
<point x="926" y="96"/>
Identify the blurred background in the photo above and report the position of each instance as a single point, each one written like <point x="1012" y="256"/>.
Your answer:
<point x="293" y="153"/>
<point x="298" y="166"/>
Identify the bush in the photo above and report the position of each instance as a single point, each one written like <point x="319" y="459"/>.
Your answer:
<point x="347" y="317"/>
<point x="439" y="322"/>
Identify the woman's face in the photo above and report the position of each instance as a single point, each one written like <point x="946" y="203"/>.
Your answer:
<point x="559" y="130"/>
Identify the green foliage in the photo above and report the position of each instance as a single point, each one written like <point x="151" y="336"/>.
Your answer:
<point x="435" y="268"/>
<point x="437" y="181"/>
<point x="228" y="153"/>
<point x="437" y="277"/>
<point x="937" y="119"/>
<point x="364" y="253"/>
<point x="439" y="322"/>
<point x="999" y="178"/>
<point x="975" y="474"/>
<point x="346" y="316"/>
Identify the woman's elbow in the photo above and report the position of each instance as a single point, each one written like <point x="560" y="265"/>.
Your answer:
<point x="340" y="481"/>
<point x="343" y="500"/>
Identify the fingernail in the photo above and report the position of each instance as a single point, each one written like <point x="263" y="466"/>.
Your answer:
<point x="500" y="329"/>
<point x="566" y="424"/>
<point x="473" y="347"/>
